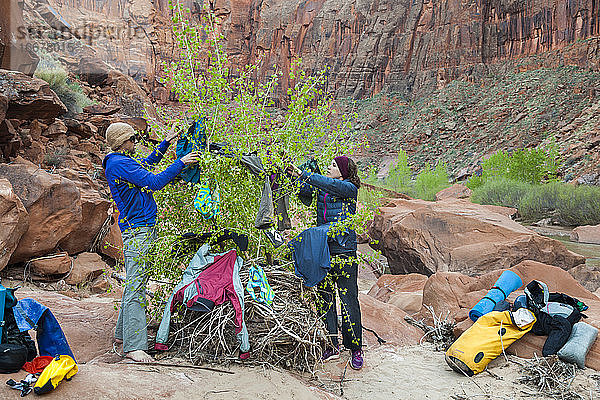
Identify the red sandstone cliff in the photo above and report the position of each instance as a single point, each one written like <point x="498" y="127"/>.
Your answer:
<point x="403" y="45"/>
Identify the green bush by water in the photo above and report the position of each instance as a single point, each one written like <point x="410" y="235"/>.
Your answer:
<point x="567" y="204"/>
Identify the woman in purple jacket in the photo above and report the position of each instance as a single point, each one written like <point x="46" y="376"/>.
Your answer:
<point x="336" y="201"/>
<point x="131" y="186"/>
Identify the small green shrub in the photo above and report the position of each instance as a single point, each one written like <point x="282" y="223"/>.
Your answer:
<point x="69" y="92"/>
<point x="541" y="201"/>
<point x="400" y="174"/>
<point x="567" y="204"/>
<point x="56" y="158"/>
<point x="501" y="192"/>
<point x="430" y="181"/>
<point x="579" y="205"/>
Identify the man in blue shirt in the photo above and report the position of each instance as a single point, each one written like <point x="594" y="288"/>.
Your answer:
<point x="132" y="186"/>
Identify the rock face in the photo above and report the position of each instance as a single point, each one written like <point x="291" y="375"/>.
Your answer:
<point x="94" y="211"/>
<point x="402" y="291"/>
<point x="586" y="234"/>
<point x="388" y="321"/>
<point x="14" y="221"/>
<point x="400" y="45"/>
<point x="53" y="203"/>
<point x="29" y="97"/>
<point x="457" y="235"/>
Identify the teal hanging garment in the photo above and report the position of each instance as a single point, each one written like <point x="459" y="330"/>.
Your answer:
<point x="194" y="139"/>
<point x="258" y="279"/>
<point x="207" y="201"/>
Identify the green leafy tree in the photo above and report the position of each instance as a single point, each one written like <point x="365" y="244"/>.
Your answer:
<point x="240" y="111"/>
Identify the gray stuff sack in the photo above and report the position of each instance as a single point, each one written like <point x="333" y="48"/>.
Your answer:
<point x="581" y="340"/>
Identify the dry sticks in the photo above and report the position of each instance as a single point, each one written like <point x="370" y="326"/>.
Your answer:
<point x="550" y="376"/>
<point x="286" y="334"/>
<point x="441" y="334"/>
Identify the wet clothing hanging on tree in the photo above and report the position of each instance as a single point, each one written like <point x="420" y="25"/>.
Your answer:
<point x="240" y="239"/>
<point x="209" y="280"/>
<point x="311" y="253"/>
<point x="193" y="140"/>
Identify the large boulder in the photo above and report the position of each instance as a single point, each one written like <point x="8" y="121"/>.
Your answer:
<point x="29" y="97"/>
<point x="402" y="291"/>
<point x="51" y="266"/>
<point x="457" y="235"/>
<point x="388" y="321"/>
<point x="94" y="211"/>
<point x="86" y="268"/>
<point x="587" y="275"/>
<point x="53" y="203"/>
<point x="586" y="234"/>
<point x="14" y="221"/>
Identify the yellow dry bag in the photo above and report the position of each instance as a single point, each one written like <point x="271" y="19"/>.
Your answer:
<point x="486" y="338"/>
<point x="62" y="367"/>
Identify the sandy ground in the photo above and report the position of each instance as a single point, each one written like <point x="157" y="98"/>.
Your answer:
<point x="420" y="373"/>
<point x="390" y="373"/>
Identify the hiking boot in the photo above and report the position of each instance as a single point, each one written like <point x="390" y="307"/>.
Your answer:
<point x="357" y="359"/>
<point x="330" y="353"/>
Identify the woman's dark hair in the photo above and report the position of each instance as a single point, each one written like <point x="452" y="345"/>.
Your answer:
<point x="353" y="173"/>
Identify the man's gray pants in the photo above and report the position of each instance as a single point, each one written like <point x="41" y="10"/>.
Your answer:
<point x="131" y="324"/>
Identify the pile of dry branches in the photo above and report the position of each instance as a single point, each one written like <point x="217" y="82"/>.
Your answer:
<point x="550" y="376"/>
<point x="288" y="334"/>
<point x="441" y="334"/>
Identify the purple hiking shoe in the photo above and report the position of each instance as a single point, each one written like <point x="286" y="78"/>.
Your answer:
<point x="330" y="353"/>
<point x="357" y="359"/>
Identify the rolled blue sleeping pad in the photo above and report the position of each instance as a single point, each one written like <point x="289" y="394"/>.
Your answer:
<point x="505" y="285"/>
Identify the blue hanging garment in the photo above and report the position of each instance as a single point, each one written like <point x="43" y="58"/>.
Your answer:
<point x="258" y="279"/>
<point x="29" y="314"/>
<point x="195" y="139"/>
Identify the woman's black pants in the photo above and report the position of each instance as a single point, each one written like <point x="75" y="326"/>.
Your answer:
<point x="344" y="275"/>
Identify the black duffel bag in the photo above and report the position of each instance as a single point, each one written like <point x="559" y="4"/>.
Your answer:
<point x="12" y="357"/>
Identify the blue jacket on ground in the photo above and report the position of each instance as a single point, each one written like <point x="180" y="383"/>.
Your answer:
<point x="336" y="201"/>
<point x="132" y="185"/>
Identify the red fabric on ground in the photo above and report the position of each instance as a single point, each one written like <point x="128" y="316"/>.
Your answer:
<point x="38" y="364"/>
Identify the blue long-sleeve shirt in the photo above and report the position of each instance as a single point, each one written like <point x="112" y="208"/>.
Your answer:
<point x="132" y="185"/>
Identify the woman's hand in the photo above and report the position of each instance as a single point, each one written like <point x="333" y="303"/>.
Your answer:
<point x="293" y="170"/>
<point x="191" y="158"/>
<point x="173" y="133"/>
